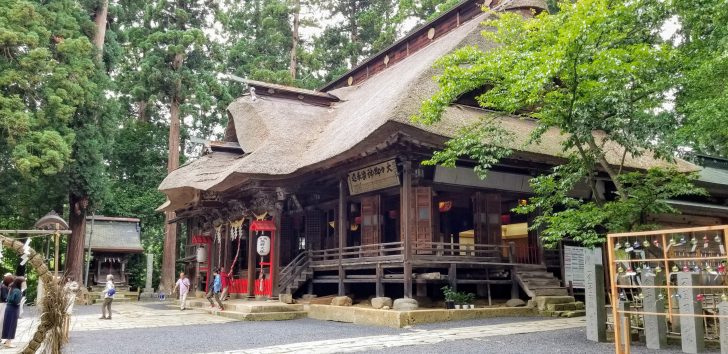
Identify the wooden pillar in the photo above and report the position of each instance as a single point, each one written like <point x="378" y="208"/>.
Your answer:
<point x="342" y="225"/>
<point x="276" y="260"/>
<point x="406" y="197"/>
<point x="380" y="285"/>
<point x="512" y="260"/>
<point x="251" y="265"/>
<point x="452" y="276"/>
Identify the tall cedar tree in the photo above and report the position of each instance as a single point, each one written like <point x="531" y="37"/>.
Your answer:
<point x="177" y="72"/>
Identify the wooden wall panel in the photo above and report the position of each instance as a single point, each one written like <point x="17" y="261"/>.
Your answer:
<point x="314" y="228"/>
<point x="371" y="228"/>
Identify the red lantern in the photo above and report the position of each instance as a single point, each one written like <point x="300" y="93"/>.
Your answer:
<point x="444" y="207"/>
<point x="700" y="297"/>
<point x="506" y="219"/>
<point x="721" y="268"/>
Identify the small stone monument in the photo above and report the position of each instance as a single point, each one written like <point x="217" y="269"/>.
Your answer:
<point x="596" y="313"/>
<point x="148" y="291"/>
<point x="723" y="311"/>
<point x="655" y="325"/>
<point x="692" y="333"/>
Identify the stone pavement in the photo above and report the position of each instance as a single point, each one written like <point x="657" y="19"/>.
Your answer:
<point x="417" y="337"/>
<point x="139" y="315"/>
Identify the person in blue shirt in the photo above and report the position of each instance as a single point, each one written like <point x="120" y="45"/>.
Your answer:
<point x="215" y="289"/>
<point x="10" y="321"/>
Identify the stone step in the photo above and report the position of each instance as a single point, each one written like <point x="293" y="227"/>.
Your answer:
<point x="116" y="300"/>
<point x="543" y="301"/>
<point x="569" y="306"/>
<point x="246" y="306"/>
<point x="575" y="313"/>
<point x="536" y="275"/>
<point x="534" y="283"/>
<point x="550" y="292"/>
<point x="261" y="316"/>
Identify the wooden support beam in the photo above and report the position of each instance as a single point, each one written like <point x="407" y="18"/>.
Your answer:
<point x="251" y="265"/>
<point x="276" y="260"/>
<point x="406" y="210"/>
<point x="512" y="260"/>
<point x="379" y="284"/>
<point x="342" y="225"/>
<point x="452" y="276"/>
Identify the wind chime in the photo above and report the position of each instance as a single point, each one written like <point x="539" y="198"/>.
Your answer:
<point x="716" y="270"/>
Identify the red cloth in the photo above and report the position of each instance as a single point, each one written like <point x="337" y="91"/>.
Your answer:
<point x="225" y="279"/>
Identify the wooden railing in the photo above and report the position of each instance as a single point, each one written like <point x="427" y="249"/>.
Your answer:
<point x="352" y="254"/>
<point x="427" y="251"/>
<point x="293" y="269"/>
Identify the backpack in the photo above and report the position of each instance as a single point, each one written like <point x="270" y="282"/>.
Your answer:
<point x="111" y="292"/>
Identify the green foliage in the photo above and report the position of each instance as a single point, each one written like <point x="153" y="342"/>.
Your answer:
<point x="599" y="73"/>
<point x="703" y="95"/>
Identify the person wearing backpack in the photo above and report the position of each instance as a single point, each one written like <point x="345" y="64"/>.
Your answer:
<point x="214" y="290"/>
<point x="108" y="293"/>
<point x="12" y="310"/>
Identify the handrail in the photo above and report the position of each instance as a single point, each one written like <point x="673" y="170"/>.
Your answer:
<point x="293" y="269"/>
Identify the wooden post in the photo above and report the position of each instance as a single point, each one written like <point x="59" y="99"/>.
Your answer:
<point x="342" y="226"/>
<point x="56" y="261"/>
<point x="512" y="261"/>
<point x="276" y="260"/>
<point x="406" y="197"/>
<point x="614" y="298"/>
<point x="452" y="276"/>
<point x="379" y="285"/>
<point x="251" y="265"/>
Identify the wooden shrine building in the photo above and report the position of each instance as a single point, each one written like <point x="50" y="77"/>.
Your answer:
<point x="334" y="180"/>
<point x="112" y="241"/>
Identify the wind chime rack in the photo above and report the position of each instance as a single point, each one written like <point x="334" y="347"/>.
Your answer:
<point x="669" y="248"/>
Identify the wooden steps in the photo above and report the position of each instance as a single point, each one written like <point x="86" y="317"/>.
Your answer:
<point x="243" y="310"/>
<point x="539" y="282"/>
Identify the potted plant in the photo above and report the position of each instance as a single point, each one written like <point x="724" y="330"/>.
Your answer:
<point x="450" y="296"/>
<point x="468" y="298"/>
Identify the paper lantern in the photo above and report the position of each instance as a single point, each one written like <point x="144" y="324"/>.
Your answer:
<point x="263" y="245"/>
<point x="444" y="207"/>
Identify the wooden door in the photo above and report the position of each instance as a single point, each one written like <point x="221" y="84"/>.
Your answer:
<point x="486" y="218"/>
<point x="314" y="229"/>
<point x="371" y="233"/>
<point x="423" y="219"/>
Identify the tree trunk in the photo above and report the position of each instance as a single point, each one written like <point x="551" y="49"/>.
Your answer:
<point x="78" y="204"/>
<point x="77" y="224"/>
<point x="142" y="107"/>
<point x="170" y="238"/>
<point x="101" y="15"/>
<point x="354" y="34"/>
<point x="294" y="44"/>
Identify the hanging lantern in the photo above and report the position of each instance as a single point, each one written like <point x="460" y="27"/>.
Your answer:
<point x="620" y="270"/>
<point x="627" y="244"/>
<point x="721" y="269"/>
<point x="724" y="297"/>
<point x="700" y="297"/>
<point x="683" y="240"/>
<point x="636" y="245"/>
<point x="693" y="241"/>
<point x="686" y="268"/>
<point x="697" y="269"/>
<point x="675" y="269"/>
<point x="263" y="245"/>
<point x="445" y="206"/>
<point x="641" y="296"/>
<point x="646" y="243"/>
<point x="656" y="243"/>
<point x="658" y="269"/>
<point x="617" y="245"/>
<point x="717" y="238"/>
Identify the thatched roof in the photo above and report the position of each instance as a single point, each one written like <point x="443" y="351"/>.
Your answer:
<point x="282" y="137"/>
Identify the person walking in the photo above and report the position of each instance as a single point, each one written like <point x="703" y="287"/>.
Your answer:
<point x="214" y="290"/>
<point x="12" y="310"/>
<point x="225" y="280"/>
<point x="108" y="293"/>
<point x="4" y="292"/>
<point x="183" y="284"/>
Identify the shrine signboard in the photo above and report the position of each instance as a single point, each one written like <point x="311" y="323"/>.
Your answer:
<point x="371" y="178"/>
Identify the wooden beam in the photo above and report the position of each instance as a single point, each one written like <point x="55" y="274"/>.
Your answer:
<point x="276" y="261"/>
<point x="251" y="265"/>
<point x="379" y="286"/>
<point x="342" y="225"/>
<point x="405" y="207"/>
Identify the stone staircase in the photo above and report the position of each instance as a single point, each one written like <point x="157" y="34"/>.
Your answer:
<point x="123" y="294"/>
<point x="539" y="282"/>
<point x="547" y="293"/>
<point x="249" y="310"/>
